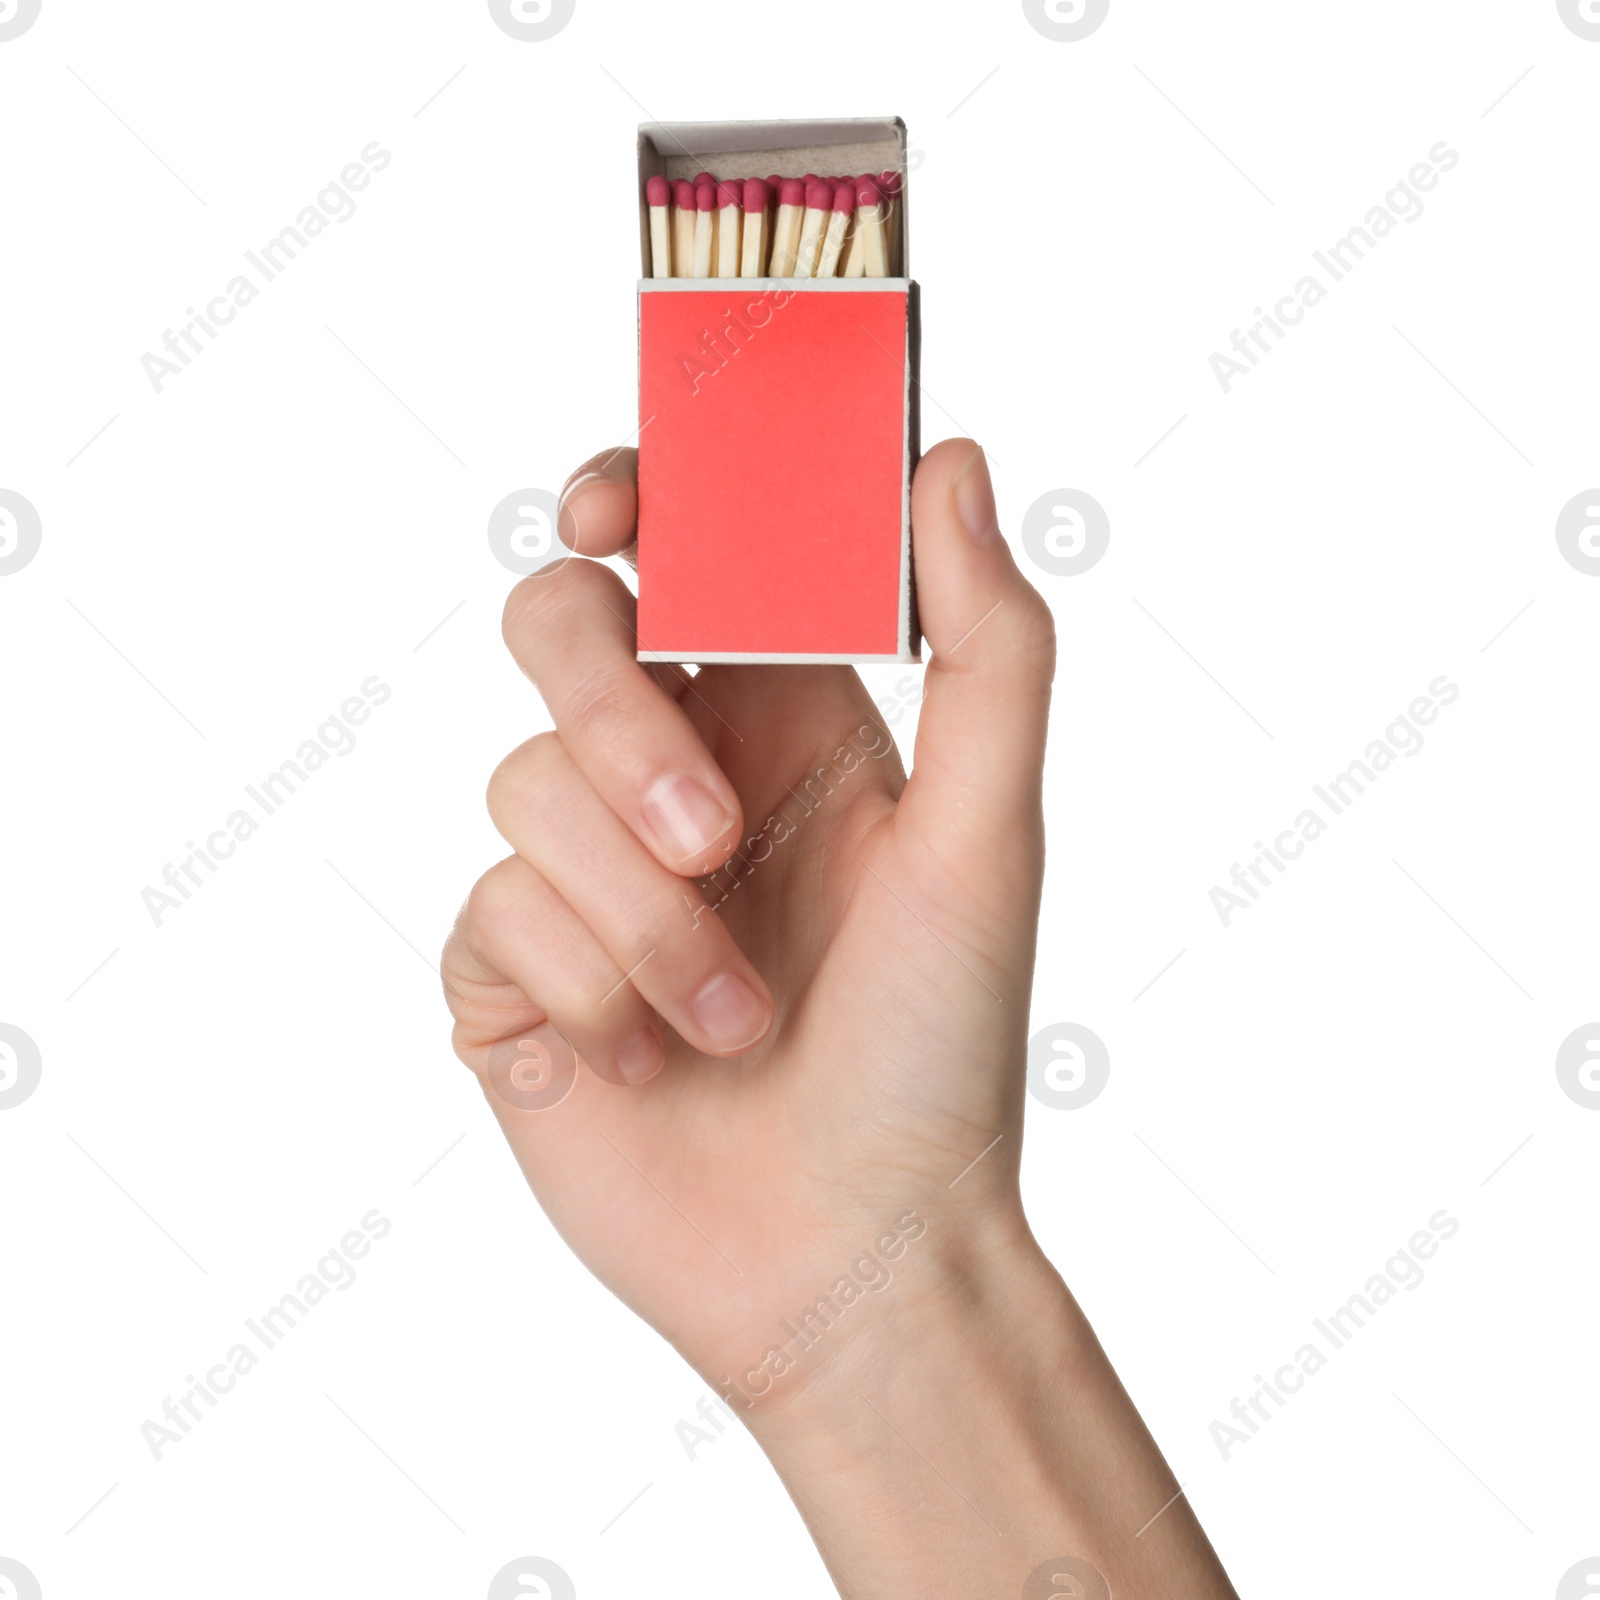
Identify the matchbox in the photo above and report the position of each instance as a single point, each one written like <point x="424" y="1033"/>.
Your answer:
<point x="778" y="418"/>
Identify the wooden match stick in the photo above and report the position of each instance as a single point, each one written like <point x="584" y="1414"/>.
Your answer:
<point x="844" y="210"/>
<point x="819" y="207"/>
<point x="730" y="206"/>
<point x="751" y="263"/>
<point x="705" y="202"/>
<point x="658" y="193"/>
<point x="683" y="220"/>
<point x="893" y="186"/>
<point x="786" y="228"/>
<point x="869" y="226"/>
<point x="774" y="189"/>
<point x="853" y="263"/>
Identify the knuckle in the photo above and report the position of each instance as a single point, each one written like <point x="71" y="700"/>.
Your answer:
<point x="520" y="776"/>
<point x="600" y="706"/>
<point x="542" y="607"/>
<point x="492" y="898"/>
<point x="1033" y="636"/>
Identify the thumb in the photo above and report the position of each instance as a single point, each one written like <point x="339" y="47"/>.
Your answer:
<point x="977" y="779"/>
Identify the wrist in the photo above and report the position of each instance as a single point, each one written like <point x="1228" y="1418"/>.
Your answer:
<point x="973" y="1432"/>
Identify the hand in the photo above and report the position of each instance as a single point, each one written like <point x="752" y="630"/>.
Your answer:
<point x="798" y="984"/>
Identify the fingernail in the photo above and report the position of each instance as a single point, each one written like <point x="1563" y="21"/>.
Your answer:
<point x="974" y="492"/>
<point x="613" y="468"/>
<point x="641" y="1058"/>
<point x="732" y="1014"/>
<point x="566" y="518"/>
<point x="686" y="818"/>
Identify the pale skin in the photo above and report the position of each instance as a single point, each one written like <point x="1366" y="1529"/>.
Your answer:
<point x="775" y="1077"/>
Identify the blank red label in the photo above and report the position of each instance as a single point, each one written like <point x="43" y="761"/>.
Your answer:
<point x="772" y="472"/>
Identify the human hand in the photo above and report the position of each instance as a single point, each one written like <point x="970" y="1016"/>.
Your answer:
<point x="829" y="1042"/>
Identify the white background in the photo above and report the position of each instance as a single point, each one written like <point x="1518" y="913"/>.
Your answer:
<point x="226" y="1095"/>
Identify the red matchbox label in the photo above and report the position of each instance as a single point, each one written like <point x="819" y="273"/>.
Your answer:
<point x="773" y="468"/>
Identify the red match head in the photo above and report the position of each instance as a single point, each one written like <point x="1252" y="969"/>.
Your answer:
<point x="891" y="183"/>
<point x="818" y="195"/>
<point x="791" y="192"/>
<point x="705" y="197"/>
<point x="755" y="195"/>
<point x="658" y="192"/>
<point x="704" y="177"/>
<point x="729" y="193"/>
<point x="809" y="177"/>
<point x="683" y="194"/>
<point x="868" y="193"/>
<point x="774" y="183"/>
<point x="844" y="196"/>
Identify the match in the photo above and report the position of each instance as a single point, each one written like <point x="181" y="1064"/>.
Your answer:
<point x="893" y="185"/>
<point x="705" y="200"/>
<point x="683" y="220"/>
<point x="819" y="207"/>
<point x="658" y="192"/>
<point x="786" y="229"/>
<point x="730" y="209"/>
<point x="844" y="210"/>
<point x="870" y="230"/>
<point x="752" y="262"/>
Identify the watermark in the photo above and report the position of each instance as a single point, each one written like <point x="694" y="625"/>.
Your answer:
<point x="718" y="348"/>
<point x="334" y="1272"/>
<point x="694" y="1438"/>
<point x="535" y="1072"/>
<point x="21" y="532"/>
<point x="1581" y="1582"/>
<point x="868" y="1274"/>
<point x="1577" y="532"/>
<point x="1066" y="21"/>
<point x="16" y="1582"/>
<point x="1065" y="532"/>
<point x="334" y="737"/>
<point x="1582" y="16"/>
<point x="531" y="1578"/>
<point x="16" y="17"/>
<point x="335" y="202"/>
<point x="1068" y="1066"/>
<point x="909" y="693"/>
<point x="870" y="743"/>
<point x="1402" y="1271"/>
<point x="21" y="1066"/>
<point x="532" y="21"/>
<point x="522" y="531"/>
<point x="1577" y="1066"/>
<point x="1403" y="737"/>
<point x="1403" y="203"/>
<point x="1066" y="1578"/>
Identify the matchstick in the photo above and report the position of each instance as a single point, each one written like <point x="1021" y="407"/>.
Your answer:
<point x="705" y="201"/>
<point x="730" y="204"/>
<point x="658" y="192"/>
<point x="819" y="206"/>
<point x="869" y="228"/>
<point x="894" y="216"/>
<point x="844" y="210"/>
<point x="786" y="229"/>
<point x="774" y="189"/>
<point x="751" y="262"/>
<point x="853" y="263"/>
<point x="683" y="220"/>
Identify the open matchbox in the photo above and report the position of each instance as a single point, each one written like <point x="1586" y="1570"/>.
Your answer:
<point x="778" y="427"/>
